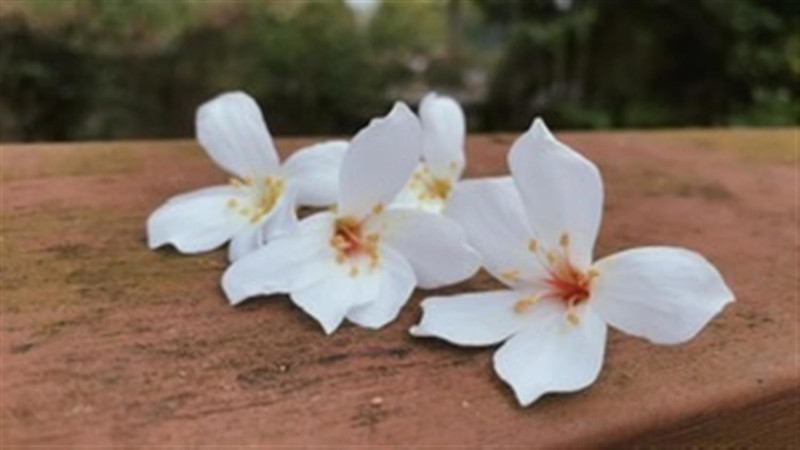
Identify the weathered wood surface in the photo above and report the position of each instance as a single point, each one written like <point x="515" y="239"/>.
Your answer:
<point x="106" y="342"/>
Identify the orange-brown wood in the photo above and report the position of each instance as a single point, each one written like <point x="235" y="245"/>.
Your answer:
<point x="107" y="342"/>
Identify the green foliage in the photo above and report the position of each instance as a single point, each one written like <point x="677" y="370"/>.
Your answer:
<point x="140" y="68"/>
<point x="89" y="69"/>
<point x="646" y="63"/>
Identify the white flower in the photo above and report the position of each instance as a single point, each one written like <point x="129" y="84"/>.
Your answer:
<point x="443" y="131"/>
<point x="260" y="200"/>
<point x="362" y="261"/>
<point x="537" y="238"/>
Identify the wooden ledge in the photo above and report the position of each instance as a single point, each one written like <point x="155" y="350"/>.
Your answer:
<point x="106" y="342"/>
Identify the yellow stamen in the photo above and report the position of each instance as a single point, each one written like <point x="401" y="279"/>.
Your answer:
<point x="551" y="257"/>
<point x="510" y="275"/>
<point x="232" y="203"/>
<point x="564" y="240"/>
<point x="524" y="303"/>
<point x="354" y="271"/>
<point x="573" y="319"/>
<point x="533" y="245"/>
<point x="377" y="208"/>
<point x="440" y="188"/>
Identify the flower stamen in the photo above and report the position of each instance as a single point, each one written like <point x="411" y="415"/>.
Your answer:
<point x="349" y="241"/>
<point x="521" y="305"/>
<point x="263" y="196"/>
<point x="429" y="186"/>
<point x="565" y="281"/>
<point x="510" y="275"/>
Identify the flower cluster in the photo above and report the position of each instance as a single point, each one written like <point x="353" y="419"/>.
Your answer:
<point x="398" y="217"/>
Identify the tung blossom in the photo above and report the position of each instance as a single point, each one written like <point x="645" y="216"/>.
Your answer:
<point x="443" y="132"/>
<point x="536" y="235"/>
<point x="362" y="261"/>
<point x="260" y="200"/>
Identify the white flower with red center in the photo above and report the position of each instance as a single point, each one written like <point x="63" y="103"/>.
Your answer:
<point x="536" y="235"/>
<point x="260" y="200"/>
<point x="443" y="132"/>
<point x="362" y="261"/>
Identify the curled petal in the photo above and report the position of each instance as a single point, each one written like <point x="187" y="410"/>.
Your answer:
<point x="232" y="130"/>
<point x="561" y="190"/>
<point x="198" y="221"/>
<point x="436" y="246"/>
<point x="552" y="355"/>
<point x="664" y="294"/>
<point x="475" y="319"/>
<point x="315" y="172"/>
<point x="379" y="162"/>
<point x="443" y="131"/>
<point x="491" y="213"/>
<point x="396" y="285"/>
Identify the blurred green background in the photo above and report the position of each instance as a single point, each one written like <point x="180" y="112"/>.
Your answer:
<point x="102" y="69"/>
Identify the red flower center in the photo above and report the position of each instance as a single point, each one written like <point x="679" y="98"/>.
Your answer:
<point x="569" y="284"/>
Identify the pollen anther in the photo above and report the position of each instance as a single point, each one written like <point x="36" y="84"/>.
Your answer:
<point x="521" y="305"/>
<point x="510" y="275"/>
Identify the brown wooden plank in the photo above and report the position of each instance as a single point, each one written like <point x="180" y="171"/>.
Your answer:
<point x="106" y="342"/>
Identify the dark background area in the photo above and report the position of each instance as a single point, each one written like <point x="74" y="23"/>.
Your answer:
<point x="103" y="69"/>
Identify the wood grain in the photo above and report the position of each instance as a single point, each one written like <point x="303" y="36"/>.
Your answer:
<point x="106" y="342"/>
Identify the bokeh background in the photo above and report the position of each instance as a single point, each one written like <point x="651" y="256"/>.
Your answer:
<point x="113" y="69"/>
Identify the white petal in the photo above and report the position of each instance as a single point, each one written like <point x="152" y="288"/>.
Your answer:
<point x="491" y="213"/>
<point x="232" y="130"/>
<point x="664" y="294"/>
<point x="397" y="282"/>
<point x="436" y="246"/>
<point x="561" y="190"/>
<point x="327" y="291"/>
<point x="475" y="319"/>
<point x="379" y="162"/>
<point x="273" y="267"/>
<point x="245" y="242"/>
<point x="197" y="221"/>
<point x="315" y="171"/>
<point x="552" y="355"/>
<point x="443" y="131"/>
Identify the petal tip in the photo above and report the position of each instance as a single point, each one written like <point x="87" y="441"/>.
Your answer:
<point x="418" y="331"/>
<point x="539" y="129"/>
<point x="401" y="108"/>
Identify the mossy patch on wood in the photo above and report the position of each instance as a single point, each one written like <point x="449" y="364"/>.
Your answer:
<point x="49" y="260"/>
<point x="764" y="145"/>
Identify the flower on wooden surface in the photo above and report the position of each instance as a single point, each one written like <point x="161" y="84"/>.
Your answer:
<point x="536" y="235"/>
<point x="261" y="198"/>
<point x="442" y="163"/>
<point x="363" y="260"/>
